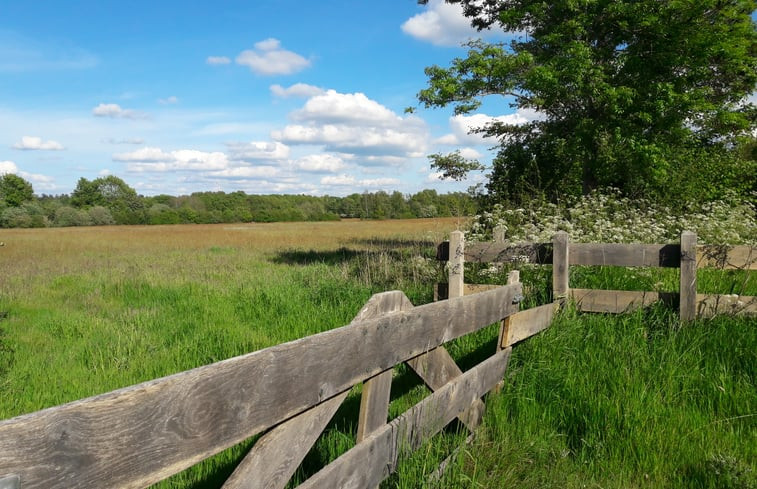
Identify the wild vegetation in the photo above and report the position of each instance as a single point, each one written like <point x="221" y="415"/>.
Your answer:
<point x="652" y="98"/>
<point x="109" y="200"/>
<point x="595" y="401"/>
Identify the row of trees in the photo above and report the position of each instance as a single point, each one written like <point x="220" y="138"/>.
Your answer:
<point x="110" y="200"/>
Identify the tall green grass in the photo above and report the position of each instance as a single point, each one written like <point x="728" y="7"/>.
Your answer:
<point x="621" y="401"/>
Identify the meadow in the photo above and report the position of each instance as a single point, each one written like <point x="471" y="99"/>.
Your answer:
<point x="595" y="401"/>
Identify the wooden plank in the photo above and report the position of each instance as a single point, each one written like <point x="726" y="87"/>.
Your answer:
<point x="612" y="301"/>
<point x="560" y="266"/>
<point x="500" y="252"/>
<point x="374" y="400"/>
<point x="525" y="324"/>
<point x="370" y="462"/>
<point x="625" y="255"/>
<point x="136" y="436"/>
<point x="441" y="291"/>
<point x="436" y="368"/>
<point x="688" y="289"/>
<point x="456" y="264"/>
<point x="712" y="304"/>
<point x="513" y="277"/>
<point x="727" y="257"/>
<point x="497" y="252"/>
<point x="276" y="455"/>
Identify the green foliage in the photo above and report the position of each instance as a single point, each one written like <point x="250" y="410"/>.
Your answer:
<point x="453" y="165"/>
<point x="609" y="217"/>
<point x="100" y="216"/>
<point x="14" y="190"/>
<point x="645" y="96"/>
<point x="66" y="216"/>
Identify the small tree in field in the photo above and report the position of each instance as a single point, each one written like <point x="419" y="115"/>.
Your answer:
<point x="647" y="96"/>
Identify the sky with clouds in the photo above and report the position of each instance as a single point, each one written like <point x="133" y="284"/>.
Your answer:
<point x="264" y="96"/>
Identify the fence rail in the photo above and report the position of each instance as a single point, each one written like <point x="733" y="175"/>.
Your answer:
<point x="139" y="435"/>
<point x="561" y="253"/>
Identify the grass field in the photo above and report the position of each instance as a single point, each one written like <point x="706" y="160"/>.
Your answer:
<point x="595" y="401"/>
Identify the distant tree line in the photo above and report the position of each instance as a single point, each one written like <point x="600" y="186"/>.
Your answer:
<point x="109" y="200"/>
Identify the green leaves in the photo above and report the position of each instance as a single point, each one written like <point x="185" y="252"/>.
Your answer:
<point x="630" y="92"/>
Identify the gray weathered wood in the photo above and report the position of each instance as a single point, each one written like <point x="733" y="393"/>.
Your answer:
<point x="525" y="324"/>
<point x="612" y="301"/>
<point x="712" y="304"/>
<point x="136" y="436"/>
<point x="368" y="463"/>
<point x="277" y="454"/>
<point x="688" y="290"/>
<point x="560" y="266"/>
<point x="727" y="257"/>
<point x="513" y="277"/>
<point x="456" y="264"/>
<point x="275" y="457"/>
<point x="441" y="290"/>
<point x="436" y="368"/>
<point x="374" y="400"/>
<point x="625" y="255"/>
<point x="498" y="252"/>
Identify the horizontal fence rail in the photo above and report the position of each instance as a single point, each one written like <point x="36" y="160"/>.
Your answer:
<point x="686" y="255"/>
<point x="139" y="435"/>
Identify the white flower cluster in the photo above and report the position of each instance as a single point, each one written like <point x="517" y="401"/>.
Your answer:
<point x="608" y="217"/>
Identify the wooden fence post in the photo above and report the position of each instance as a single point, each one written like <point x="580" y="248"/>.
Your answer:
<point x="499" y="234"/>
<point x="688" y="287"/>
<point x="560" y="266"/>
<point x="456" y="264"/>
<point x="504" y="330"/>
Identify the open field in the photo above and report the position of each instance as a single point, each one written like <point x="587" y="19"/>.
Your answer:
<point x="595" y="401"/>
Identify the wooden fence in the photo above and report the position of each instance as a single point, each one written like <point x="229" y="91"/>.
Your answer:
<point x="561" y="253"/>
<point x="139" y="435"/>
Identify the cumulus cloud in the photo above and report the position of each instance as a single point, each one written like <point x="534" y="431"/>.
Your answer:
<point x="350" y="181"/>
<point x="269" y="58"/>
<point x="217" y="60"/>
<point x="156" y="160"/>
<point x="353" y="123"/>
<point x="319" y="163"/>
<point x="115" y="111"/>
<point x="8" y="167"/>
<point x="258" y="150"/>
<point x="462" y="125"/>
<point x="247" y="172"/>
<point x="43" y="182"/>
<point x="442" y="24"/>
<point x="296" y="90"/>
<point x="36" y="143"/>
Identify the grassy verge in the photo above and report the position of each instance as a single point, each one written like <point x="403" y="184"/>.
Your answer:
<point x="595" y="401"/>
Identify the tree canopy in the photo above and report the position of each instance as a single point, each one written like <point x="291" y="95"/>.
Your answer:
<point x="14" y="190"/>
<point x="646" y="96"/>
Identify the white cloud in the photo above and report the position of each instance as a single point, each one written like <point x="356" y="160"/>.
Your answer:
<point x="38" y="181"/>
<point x="115" y="111"/>
<point x="319" y="163"/>
<point x="353" y="123"/>
<point x="8" y="167"/>
<point x="169" y="100"/>
<point x="350" y="181"/>
<point x="217" y="60"/>
<point x="258" y="150"/>
<point x="296" y="90"/>
<point x="470" y="153"/>
<point x="462" y="125"/>
<point x="104" y="172"/>
<point x="247" y="172"/>
<point x="442" y="24"/>
<point x="269" y="58"/>
<point x="155" y="159"/>
<point x="36" y="143"/>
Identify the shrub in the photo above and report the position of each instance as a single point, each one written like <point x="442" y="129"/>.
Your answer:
<point x="66" y="216"/>
<point x="100" y="216"/>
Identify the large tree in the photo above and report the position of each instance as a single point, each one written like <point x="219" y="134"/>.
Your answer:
<point x="14" y="190"/>
<point x="645" y="95"/>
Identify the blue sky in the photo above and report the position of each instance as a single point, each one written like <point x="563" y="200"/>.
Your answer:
<point x="261" y="96"/>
